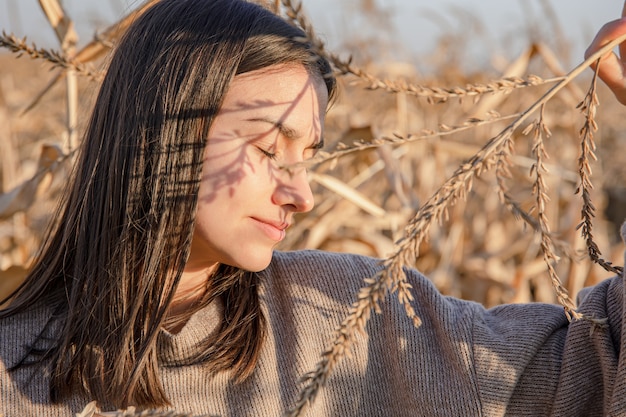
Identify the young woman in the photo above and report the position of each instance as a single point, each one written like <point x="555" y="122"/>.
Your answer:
<point x="158" y="286"/>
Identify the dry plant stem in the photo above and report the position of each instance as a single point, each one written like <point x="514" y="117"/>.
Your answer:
<point x="95" y="49"/>
<point x="368" y="299"/>
<point x="67" y="36"/>
<point x="295" y="12"/>
<point x="432" y="94"/>
<point x="72" y="108"/>
<point x="502" y="174"/>
<point x="588" y="106"/>
<point x="540" y="190"/>
<point x="92" y="410"/>
<point x="20" y="47"/>
<point x="435" y="209"/>
<point x="438" y="94"/>
<point x="343" y="149"/>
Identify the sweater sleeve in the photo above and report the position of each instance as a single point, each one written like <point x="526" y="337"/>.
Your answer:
<point x="523" y="359"/>
<point x="464" y="359"/>
<point x="505" y="360"/>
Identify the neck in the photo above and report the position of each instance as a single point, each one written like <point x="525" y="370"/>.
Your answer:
<point x="191" y="289"/>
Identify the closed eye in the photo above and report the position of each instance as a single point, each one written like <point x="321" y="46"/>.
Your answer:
<point x="319" y="145"/>
<point x="316" y="147"/>
<point x="270" y="155"/>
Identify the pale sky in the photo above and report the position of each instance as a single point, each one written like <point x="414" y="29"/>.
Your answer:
<point x="411" y="26"/>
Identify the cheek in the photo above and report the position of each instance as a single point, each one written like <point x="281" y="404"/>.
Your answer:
<point x="236" y="181"/>
<point x="222" y="171"/>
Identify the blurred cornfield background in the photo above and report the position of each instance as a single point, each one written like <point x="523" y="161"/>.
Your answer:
<point x="496" y="191"/>
<point x="365" y="198"/>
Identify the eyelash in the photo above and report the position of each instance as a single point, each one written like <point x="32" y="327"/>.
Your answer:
<point x="270" y="155"/>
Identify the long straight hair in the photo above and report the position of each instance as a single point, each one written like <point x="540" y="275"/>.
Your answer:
<point x="110" y="265"/>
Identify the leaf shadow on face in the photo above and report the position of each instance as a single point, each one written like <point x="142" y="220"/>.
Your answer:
<point x="231" y="153"/>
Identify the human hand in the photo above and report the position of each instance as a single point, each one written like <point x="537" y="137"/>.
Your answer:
<point x="612" y="69"/>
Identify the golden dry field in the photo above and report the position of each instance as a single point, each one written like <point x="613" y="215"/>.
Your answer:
<point x="472" y="177"/>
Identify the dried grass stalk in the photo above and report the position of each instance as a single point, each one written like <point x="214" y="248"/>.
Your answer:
<point x="57" y="59"/>
<point x="433" y="94"/>
<point x="588" y="106"/>
<point x="540" y="190"/>
<point x="444" y="130"/>
<point x="435" y="210"/>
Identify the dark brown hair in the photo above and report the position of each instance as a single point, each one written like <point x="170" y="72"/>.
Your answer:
<point x="112" y="261"/>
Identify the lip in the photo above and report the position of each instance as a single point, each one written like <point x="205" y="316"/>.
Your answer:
<point x="274" y="230"/>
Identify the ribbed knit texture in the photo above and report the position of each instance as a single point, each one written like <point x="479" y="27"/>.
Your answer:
<point x="517" y="360"/>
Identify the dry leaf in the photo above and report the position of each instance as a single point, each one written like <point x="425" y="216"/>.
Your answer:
<point x="63" y="25"/>
<point x="10" y="279"/>
<point x="349" y="193"/>
<point x="90" y="410"/>
<point x="22" y="197"/>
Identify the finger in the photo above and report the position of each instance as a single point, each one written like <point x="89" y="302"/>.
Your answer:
<point x="606" y="34"/>
<point x="622" y="47"/>
<point x="611" y="72"/>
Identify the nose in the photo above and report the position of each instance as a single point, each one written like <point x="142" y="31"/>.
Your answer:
<point x="294" y="190"/>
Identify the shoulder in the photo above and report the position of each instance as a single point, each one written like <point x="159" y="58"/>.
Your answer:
<point x="312" y="262"/>
<point x="317" y="276"/>
<point x="21" y="330"/>
<point x="24" y="381"/>
<point x="34" y="316"/>
<point x="332" y="272"/>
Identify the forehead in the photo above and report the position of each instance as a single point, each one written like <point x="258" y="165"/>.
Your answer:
<point x="277" y="88"/>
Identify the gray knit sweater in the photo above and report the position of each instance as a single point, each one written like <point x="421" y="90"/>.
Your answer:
<point x="465" y="360"/>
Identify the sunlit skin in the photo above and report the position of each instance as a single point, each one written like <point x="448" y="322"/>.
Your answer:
<point x="270" y="118"/>
<point x="612" y="69"/>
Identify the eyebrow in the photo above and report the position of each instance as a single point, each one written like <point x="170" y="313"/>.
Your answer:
<point x="286" y="131"/>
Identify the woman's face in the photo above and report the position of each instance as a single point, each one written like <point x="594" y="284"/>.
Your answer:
<point x="270" y="118"/>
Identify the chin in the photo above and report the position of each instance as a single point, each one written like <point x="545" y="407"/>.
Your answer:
<point x="254" y="264"/>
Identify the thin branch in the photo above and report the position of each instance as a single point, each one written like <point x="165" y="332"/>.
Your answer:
<point x="444" y="130"/>
<point x="295" y="12"/>
<point x="502" y="173"/>
<point x="588" y="106"/>
<point x="438" y="94"/>
<point x="540" y="190"/>
<point x="57" y="59"/>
